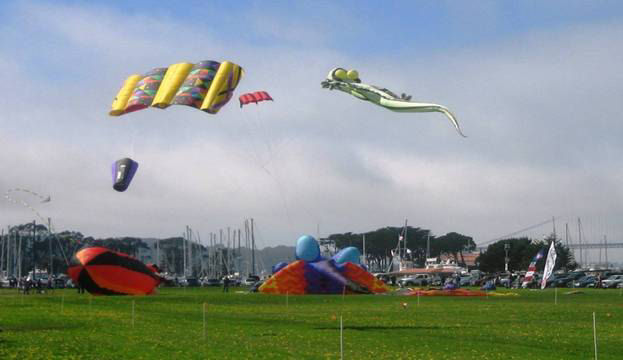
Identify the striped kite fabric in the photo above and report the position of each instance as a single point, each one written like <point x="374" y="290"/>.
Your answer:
<point x="532" y="269"/>
<point x="102" y="271"/>
<point x="254" y="97"/>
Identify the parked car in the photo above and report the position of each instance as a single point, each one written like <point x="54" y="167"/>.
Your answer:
<point x="563" y="280"/>
<point x="415" y="280"/>
<point x="555" y="279"/>
<point x="612" y="282"/>
<point x="59" y="283"/>
<point x="189" y="282"/>
<point x="586" y="281"/>
<point x="465" y="281"/>
<point x="8" y="282"/>
<point x="211" y="282"/>
<point x="251" y="280"/>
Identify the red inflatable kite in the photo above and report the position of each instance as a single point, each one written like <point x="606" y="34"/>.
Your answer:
<point x="105" y="272"/>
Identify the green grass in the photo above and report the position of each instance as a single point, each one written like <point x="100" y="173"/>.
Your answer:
<point x="66" y="325"/>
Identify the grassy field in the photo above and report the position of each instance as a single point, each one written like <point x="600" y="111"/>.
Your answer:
<point x="170" y="325"/>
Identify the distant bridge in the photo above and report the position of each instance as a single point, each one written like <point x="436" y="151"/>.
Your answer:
<point x="608" y="245"/>
<point x="596" y="246"/>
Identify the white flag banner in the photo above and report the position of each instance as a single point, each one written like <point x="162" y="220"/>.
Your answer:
<point x="549" y="264"/>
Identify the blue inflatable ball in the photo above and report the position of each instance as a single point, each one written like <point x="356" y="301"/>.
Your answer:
<point x="349" y="254"/>
<point x="307" y="249"/>
<point x="278" y="266"/>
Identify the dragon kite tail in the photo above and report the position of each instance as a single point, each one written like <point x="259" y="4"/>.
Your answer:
<point x="451" y="117"/>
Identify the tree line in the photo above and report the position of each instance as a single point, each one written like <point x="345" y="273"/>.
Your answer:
<point x="35" y="246"/>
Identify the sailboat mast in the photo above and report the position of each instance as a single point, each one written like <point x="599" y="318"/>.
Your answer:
<point x="580" y="241"/>
<point x="606" y="249"/>
<point x="427" y="245"/>
<point x="252" y="248"/>
<point x="365" y="262"/>
<point x="404" y="253"/>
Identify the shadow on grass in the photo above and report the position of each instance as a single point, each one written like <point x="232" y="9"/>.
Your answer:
<point x="374" y="328"/>
<point x="42" y="327"/>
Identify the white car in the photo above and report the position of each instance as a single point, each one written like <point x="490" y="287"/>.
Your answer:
<point x="612" y="282"/>
<point x="251" y="280"/>
<point x="415" y="280"/>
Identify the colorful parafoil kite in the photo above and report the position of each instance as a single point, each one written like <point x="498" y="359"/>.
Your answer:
<point x="101" y="271"/>
<point x="349" y="82"/>
<point x="207" y="85"/>
<point x="123" y="171"/>
<point x="254" y="97"/>
<point x="313" y="274"/>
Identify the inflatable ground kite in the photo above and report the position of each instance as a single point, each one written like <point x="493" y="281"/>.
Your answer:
<point x="207" y="85"/>
<point x="313" y="274"/>
<point x="349" y="82"/>
<point x="101" y="271"/>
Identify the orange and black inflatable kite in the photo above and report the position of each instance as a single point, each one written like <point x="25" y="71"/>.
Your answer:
<point x="102" y="271"/>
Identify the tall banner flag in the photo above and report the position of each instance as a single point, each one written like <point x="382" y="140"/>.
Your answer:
<point x="549" y="264"/>
<point x="532" y="269"/>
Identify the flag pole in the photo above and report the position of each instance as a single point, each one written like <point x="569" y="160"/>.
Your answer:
<point x="595" y="335"/>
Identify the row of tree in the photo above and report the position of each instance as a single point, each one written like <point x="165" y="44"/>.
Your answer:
<point x="381" y="242"/>
<point x="521" y="252"/>
<point x="36" y="246"/>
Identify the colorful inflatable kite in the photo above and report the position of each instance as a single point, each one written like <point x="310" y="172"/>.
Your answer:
<point x="349" y="82"/>
<point x="313" y="274"/>
<point x="254" y="97"/>
<point x="123" y="171"/>
<point x="105" y="272"/>
<point x="207" y="85"/>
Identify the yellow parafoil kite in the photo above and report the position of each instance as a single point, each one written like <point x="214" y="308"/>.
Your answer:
<point x="207" y="85"/>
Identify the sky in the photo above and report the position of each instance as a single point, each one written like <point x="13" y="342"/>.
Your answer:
<point x="536" y="87"/>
